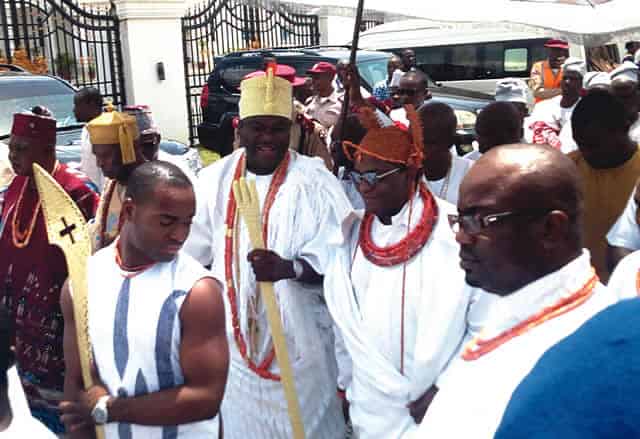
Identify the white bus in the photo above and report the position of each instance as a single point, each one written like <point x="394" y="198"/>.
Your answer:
<point x="474" y="55"/>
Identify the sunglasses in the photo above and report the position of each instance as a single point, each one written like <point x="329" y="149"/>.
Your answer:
<point x="372" y="178"/>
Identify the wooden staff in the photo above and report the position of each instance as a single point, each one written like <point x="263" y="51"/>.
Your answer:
<point x="67" y="228"/>
<point x="248" y="204"/>
<point x="352" y="62"/>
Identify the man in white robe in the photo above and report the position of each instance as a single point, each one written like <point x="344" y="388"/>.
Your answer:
<point x="303" y="204"/>
<point x="550" y="118"/>
<point x="443" y="169"/>
<point x="398" y="301"/>
<point x="624" y="236"/>
<point x="519" y="227"/>
<point x="87" y="105"/>
<point x="625" y="279"/>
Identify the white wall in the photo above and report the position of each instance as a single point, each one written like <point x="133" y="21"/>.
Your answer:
<point x="151" y="33"/>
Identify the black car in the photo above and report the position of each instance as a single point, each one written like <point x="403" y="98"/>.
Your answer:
<point x="20" y="91"/>
<point x="220" y="95"/>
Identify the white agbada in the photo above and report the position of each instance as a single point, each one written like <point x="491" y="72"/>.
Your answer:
<point x="634" y="131"/>
<point x="626" y="231"/>
<point x="447" y="188"/>
<point x="135" y="331"/>
<point x="88" y="163"/>
<point x="365" y="302"/>
<point x="309" y="206"/>
<point x="473" y="394"/>
<point x="624" y="279"/>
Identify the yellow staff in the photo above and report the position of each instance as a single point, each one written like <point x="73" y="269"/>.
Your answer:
<point x="67" y="228"/>
<point x="248" y="204"/>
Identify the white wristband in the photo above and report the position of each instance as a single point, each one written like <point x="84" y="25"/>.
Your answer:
<point x="298" y="268"/>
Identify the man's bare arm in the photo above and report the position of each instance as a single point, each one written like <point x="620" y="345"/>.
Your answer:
<point x="73" y="383"/>
<point x="204" y="358"/>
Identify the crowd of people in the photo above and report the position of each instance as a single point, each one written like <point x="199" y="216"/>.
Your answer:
<point x="424" y="290"/>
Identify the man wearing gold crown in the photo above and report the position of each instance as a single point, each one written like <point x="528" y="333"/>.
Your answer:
<point x="113" y="138"/>
<point x="32" y="271"/>
<point x="302" y="204"/>
<point x="401" y="313"/>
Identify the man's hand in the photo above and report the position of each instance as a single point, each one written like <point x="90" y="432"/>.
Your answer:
<point x="268" y="266"/>
<point x="76" y="415"/>
<point x="419" y="407"/>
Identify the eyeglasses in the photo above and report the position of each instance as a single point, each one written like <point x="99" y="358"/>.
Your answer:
<point x="372" y="178"/>
<point x="474" y="224"/>
<point x="407" y="92"/>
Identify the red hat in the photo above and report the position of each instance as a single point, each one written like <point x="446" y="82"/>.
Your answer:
<point x="38" y="128"/>
<point x="323" y="67"/>
<point x="556" y="44"/>
<point x="283" y="71"/>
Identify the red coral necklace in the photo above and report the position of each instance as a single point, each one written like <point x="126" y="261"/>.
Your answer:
<point x="279" y="176"/>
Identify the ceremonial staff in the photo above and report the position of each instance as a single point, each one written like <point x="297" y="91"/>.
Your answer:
<point x="67" y="228"/>
<point x="352" y="62"/>
<point x="248" y="204"/>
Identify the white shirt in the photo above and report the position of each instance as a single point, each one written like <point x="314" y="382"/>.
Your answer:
<point x="624" y="279"/>
<point x="555" y="117"/>
<point x="634" y="131"/>
<point x="626" y="231"/>
<point x="365" y="302"/>
<point x="88" y="163"/>
<point x="400" y="115"/>
<point x="473" y="394"/>
<point x="325" y="110"/>
<point x="23" y="425"/>
<point x="447" y="188"/>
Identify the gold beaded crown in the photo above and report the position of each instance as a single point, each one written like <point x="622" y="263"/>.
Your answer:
<point x="266" y="95"/>
<point x="114" y="128"/>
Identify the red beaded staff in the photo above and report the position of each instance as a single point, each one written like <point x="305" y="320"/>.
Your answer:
<point x="248" y="204"/>
<point x="67" y="228"/>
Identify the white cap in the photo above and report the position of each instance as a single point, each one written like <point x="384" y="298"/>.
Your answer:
<point x="511" y="90"/>
<point x="573" y="64"/>
<point x="627" y="71"/>
<point x="396" y="77"/>
<point x="593" y="79"/>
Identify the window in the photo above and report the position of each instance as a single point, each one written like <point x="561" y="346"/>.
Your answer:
<point x="515" y="60"/>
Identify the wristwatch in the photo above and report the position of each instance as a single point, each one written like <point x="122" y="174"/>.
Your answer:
<point x="100" y="413"/>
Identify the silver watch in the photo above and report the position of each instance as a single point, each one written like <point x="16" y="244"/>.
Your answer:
<point x="100" y="413"/>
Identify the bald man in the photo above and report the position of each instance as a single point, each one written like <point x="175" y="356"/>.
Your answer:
<point x="499" y="123"/>
<point x="443" y="170"/>
<point x="520" y="235"/>
<point x="381" y="89"/>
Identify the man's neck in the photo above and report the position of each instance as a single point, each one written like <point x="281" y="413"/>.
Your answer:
<point x="6" y="414"/>
<point x="437" y="168"/>
<point x="129" y="255"/>
<point x="326" y="93"/>
<point x="627" y="151"/>
<point x="569" y="101"/>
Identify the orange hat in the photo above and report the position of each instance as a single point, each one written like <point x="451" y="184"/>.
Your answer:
<point x="389" y="144"/>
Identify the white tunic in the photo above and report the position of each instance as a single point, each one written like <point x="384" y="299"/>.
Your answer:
<point x="624" y="280"/>
<point x="365" y="302"/>
<point x="634" y="131"/>
<point x="626" y="231"/>
<point x="557" y="132"/>
<point x="135" y="330"/>
<point x="88" y="162"/>
<point x="447" y="188"/>
<point x="474" y="394"/>
<point x="309" y="206"/>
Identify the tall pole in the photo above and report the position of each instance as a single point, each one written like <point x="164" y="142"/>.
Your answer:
<point x="352" y="61"/>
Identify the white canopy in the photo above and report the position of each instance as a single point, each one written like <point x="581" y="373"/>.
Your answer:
<point x="576" y="20"/>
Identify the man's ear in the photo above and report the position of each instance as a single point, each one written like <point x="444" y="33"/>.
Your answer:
<point x="128" y="209"/>
<point x="556" y="229"/>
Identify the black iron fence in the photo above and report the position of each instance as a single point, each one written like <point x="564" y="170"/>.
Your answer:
<point x="368" y="24"/>
<point x="61" y="38"/>
<point x="218" y="27"/>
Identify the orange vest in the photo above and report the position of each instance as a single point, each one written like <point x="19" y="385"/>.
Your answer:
<point x="549" y="79"/>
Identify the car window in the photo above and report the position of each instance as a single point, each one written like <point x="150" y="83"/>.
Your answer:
<point x="21" y="95"/>
<point x="373" y="71"/>
<point x="231" y="75"/>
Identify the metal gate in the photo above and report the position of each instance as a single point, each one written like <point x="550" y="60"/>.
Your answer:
<point x="61" y="38"/>
<point x="219" y="27"/>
